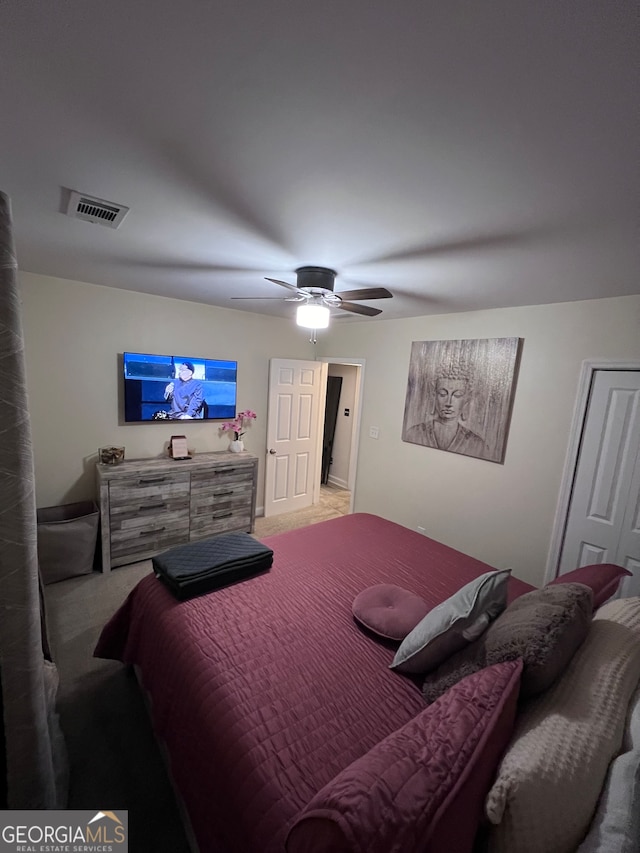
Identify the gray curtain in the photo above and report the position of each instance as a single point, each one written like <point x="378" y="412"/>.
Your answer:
<point x="34" y="747"/>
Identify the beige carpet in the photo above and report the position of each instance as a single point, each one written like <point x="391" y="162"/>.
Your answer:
<point x="334" y="501"/>
<point x="114" y="760"/>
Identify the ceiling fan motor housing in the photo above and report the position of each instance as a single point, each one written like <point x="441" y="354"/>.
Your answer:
<point x="316" y="278"/>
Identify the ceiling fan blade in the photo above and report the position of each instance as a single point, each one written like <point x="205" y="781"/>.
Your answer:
<point x="283" y="283"/>
<point x="299" y="297"/>
<point x="366" y="293"/>
<point x="359" y="309"/>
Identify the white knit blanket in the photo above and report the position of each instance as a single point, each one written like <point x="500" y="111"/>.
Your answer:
<point x="550" y="778"/>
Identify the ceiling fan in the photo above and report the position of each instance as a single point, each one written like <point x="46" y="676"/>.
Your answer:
<point x="314" y="291"/>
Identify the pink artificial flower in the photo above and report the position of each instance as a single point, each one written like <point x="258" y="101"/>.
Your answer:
<point x="237" y="424"/>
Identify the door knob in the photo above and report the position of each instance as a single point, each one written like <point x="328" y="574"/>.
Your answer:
<point x="272" y="452"/>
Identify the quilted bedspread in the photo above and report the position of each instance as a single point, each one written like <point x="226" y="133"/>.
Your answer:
<point x="263" y="691"/>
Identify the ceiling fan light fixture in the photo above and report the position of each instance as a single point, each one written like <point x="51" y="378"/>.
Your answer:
<point x="313" y="316"/>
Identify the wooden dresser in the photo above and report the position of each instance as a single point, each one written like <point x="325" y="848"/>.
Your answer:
<point x="149" y="505"/>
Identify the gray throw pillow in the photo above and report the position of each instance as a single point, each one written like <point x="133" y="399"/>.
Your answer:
<point x="544" y="627"/>
<point x="453" y="624"/>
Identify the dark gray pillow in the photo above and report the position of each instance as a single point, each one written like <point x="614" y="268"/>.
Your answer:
<point x="544" y="627"/>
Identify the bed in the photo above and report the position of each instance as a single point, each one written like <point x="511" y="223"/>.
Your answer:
<point x="267" y="692"/>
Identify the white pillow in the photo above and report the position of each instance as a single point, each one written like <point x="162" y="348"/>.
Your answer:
<point x="553" y="771"/>
<point x="616" y="825"/>
<point x="453" y="624"/>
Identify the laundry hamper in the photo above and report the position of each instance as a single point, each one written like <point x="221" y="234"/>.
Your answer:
<point x="67" y="537"/>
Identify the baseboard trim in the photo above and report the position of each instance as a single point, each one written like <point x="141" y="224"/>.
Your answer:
<point x="336" y="481"/>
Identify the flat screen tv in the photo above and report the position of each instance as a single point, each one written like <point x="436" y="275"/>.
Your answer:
<point x="178" y="387"/>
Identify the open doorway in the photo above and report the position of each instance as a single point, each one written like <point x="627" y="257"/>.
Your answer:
<point x="295" y="426"/>
<point x="340" y="446"/>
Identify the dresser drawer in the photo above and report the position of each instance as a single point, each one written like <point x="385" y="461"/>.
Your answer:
<point x="221" y="500"/>
<point x="232" y="511"/>
<point x="148" y="513"/>
<point x="131" y="536"/>
<point x="216" y="479"/>
<point x="221" y="524"/>
<point x="133" y="494"/>
<point x="221" y="494"/>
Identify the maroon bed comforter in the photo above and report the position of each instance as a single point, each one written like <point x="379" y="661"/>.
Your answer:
<point x="265" y="690"/>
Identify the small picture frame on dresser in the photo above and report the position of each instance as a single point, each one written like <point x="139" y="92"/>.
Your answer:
<point x="178" y="447"/>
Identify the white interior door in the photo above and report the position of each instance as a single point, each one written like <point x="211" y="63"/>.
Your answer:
<point x="297" y="391"/>
<point x="603" y="524"/>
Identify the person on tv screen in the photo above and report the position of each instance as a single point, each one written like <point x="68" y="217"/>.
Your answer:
<point x="185" y="394"/>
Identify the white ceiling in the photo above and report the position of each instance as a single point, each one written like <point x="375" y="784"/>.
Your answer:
<point x="464" y="155"/>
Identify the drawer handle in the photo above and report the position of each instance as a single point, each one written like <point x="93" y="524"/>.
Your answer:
<point x="222" y="494"/>
<point x="152" y="506"/>
<point x="152" y="480"/>
<point x="151" y="532"/>
<point x="223" y="515"/>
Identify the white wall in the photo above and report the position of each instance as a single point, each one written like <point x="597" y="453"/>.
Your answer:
<point x="501" y="513"/>
<point x="74" y="333"/>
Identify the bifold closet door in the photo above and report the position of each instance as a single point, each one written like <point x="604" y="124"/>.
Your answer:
<point x="603" y="523"/>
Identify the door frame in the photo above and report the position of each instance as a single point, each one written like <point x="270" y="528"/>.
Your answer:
<point x="585" y="381"/>
<point x="355" y="429"/>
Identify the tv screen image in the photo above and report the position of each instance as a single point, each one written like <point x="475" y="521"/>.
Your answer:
<point x="178" y="387"/>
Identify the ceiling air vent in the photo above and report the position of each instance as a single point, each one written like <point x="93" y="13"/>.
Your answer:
<point x="96" y="210"/>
